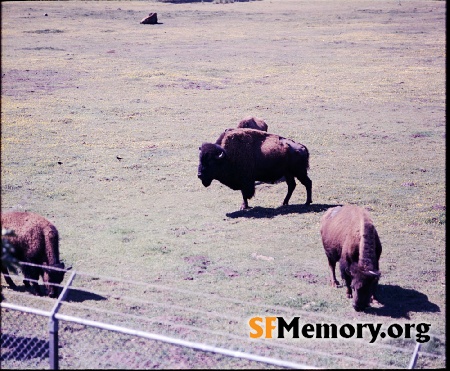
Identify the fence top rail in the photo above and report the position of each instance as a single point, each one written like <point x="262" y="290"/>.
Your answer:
<point x="21" y="308"/>
<point x="185" y="343"/>
<point x="162" y="338"/>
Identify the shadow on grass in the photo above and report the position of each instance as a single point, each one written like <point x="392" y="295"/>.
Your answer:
<point x="265" y="212"/>
<point x="24" y="289"/>
<point x="397" y="302"/>
<point x="78" y="296"/>
<point x="23" y="348"/>
<point x="74" y="295"/>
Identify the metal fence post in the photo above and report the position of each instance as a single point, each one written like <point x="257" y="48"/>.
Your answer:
<point x="413" y="361"/>
<point x="53" y="343"/>
<point x="53" y="326"/>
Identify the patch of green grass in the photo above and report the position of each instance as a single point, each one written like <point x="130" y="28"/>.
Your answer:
<point x="352" y="97"/>
<point x="122" y="231"/>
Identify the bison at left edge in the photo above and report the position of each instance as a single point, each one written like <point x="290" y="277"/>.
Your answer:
<point x="35" y="240"/>
<point x="242" y="156"/>
<point x="349" y="236"/>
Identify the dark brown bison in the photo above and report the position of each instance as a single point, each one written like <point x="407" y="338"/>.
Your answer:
<point x="252" y="122"/>
<point x="242" y="156"/>
<point x="35" y="240"/>
<point x="349" y="236"/>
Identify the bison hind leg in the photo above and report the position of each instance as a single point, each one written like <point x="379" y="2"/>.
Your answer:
<point x="332" y="265"/>
<point x="290" y="181"/>
<point x="304" y="179"/>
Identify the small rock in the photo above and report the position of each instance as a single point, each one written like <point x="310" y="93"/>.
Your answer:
<point x="151" y="19"/>
<point x="262" y="257"/>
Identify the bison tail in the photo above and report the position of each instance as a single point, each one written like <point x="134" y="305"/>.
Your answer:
<point x="52" y="245"/>
<point x="304" y="155"/>
<point x="299" y="153"/>
<point x="307" y="158"/>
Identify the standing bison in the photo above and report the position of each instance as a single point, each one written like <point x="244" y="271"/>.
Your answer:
<point x="252" y="122"/>
<point x="35" y="240"/>
<point x="242" y="156"/>
<point x="349" y="236"/>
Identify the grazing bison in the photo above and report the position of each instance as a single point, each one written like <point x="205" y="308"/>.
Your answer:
<point x="252" y="122"/>
<point x="242" y="156"/>
<point x="349" y="236"/>
<point x="35" y="241"/>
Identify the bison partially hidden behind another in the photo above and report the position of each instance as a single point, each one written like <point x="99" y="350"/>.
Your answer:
<point x="349" y="236"/>
<point x="252" y="122"/>
<point x="242" y="156"/>
<point x="35" y="241"/>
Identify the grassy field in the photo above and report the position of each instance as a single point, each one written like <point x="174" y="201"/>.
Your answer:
<point x="102" y="118"/>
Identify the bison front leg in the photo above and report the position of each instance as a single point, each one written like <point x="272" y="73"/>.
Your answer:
<point x="347" y="278"/>
<point x="244" y="204"/>
<point x="374" y="298"/>
<point x="247" y="192"/>
<point x="31" y="276"/>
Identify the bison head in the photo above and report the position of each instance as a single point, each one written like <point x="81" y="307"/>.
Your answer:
<point x="212" y="157"/>
<point x="364" y="284"/>
<point x="53" y="277"/>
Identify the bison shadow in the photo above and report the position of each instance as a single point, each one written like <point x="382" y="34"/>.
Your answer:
<point x="258" y="212"/>
<point x="78" y="296"/>
<point x="73" y="295"/>
<point x="397" y="302"/>
<point x="23" y="348"/>
<point x="21" y="289"/>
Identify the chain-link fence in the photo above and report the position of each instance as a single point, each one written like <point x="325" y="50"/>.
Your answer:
<point x="133" y="325"/>
<point x="24" y="340"/>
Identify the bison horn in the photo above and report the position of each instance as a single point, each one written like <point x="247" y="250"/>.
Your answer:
<point x="373" y="273"/>
<point x="221" y="155"/>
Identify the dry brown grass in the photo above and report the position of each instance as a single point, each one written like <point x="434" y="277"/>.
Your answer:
<point x="360" y="83"/>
